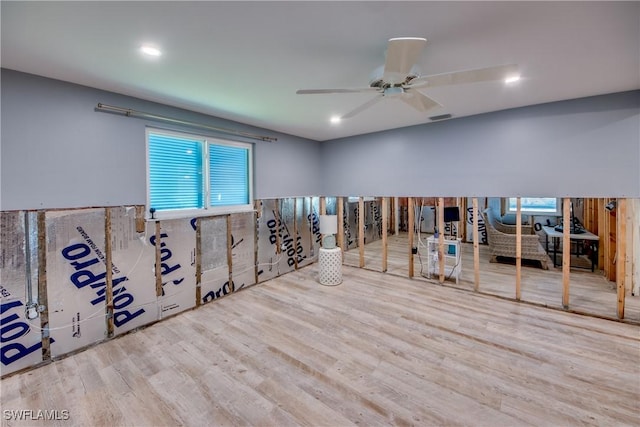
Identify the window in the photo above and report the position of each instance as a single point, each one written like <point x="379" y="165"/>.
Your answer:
<point x="191" y="175"/>
<point x="535" y="205"/>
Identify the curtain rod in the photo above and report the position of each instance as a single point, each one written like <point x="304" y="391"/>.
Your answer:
<point x="140" y="114"/>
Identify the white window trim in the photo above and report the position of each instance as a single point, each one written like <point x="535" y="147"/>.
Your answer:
<point x="207" y="210"/>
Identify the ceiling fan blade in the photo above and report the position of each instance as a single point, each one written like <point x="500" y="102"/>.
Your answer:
<point x="488" y="74"/>
<point x="321" y="91"/>
<point x="363" y="107"/>
<point x="419" y="101"/>
<point x="402" y="55"/>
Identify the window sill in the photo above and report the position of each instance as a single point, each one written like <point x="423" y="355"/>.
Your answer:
<point x="200" y="213"/>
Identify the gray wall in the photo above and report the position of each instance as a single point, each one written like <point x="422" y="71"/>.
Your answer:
<point x="587" y="147"/>
<point x="57" y="152"/>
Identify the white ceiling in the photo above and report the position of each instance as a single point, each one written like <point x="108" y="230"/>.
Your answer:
<point x="244" y="61"/>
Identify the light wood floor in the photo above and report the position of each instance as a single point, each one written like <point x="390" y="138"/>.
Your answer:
<point x="589" y="292"/>
<point x="376" y="350"/>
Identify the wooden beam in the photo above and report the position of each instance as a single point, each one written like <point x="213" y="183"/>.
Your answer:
<point x="566" y="250"/>
<point x="158" y="261"/>
<point x="410" y="230"/>
<point x="385" y="226"/>
<point x="361" y="230"/>
<point x="621" y="253"/>
<point x="441" y="238"/>
<point x="43" y="302"/>
<point x="323" y="205"/>
<point x="109" y="273"/>
<point x="199" y="262"/>
<point x="340" y="213"/>
<point x="518" y="249"/>
<point x="476" y="247"/>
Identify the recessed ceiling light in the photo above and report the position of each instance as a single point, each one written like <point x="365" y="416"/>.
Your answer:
<point x="335" y="120"/>
<point x="150" y="50"/>
<point x="512" y="79"/>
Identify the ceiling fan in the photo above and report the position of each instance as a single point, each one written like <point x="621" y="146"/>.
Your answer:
<point x="399" y="78"/>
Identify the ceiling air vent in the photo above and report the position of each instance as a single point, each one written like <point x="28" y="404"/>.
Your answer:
<point x="440" y="117"/>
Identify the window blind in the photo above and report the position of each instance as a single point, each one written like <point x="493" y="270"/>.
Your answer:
<point x="228" y="175"/>
<point x="175" y="172"/>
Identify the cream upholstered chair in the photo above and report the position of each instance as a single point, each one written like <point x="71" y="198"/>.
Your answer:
<point x="502" y="241"/>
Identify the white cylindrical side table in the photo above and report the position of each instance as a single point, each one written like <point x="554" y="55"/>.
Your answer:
<point x="330" y="266"/>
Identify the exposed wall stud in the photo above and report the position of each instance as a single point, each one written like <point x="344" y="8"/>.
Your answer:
<point x="385" y="229"/>
<point x="43" y="301"/>
<point x="230" y="255"/>
<point x="441" y="238"/>
<point x="566" y="250"/>
<point x="621" y="253"/>
<point x="410" y="230"/>
<point x="158" y="261"/>
<point x="109" y="272"/>
<point x="476" y="247"/>
<point x="361" y="230"/>
<point x="340" y="214"/>
<point x="278" y="219"/>
<point x="295" y="231"/>
<point x="199" y="261"/>
<point x="140" y="222"/>
<point x="518" y="249"/>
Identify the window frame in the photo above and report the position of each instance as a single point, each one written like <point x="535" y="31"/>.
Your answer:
<point x="207" y="210"/>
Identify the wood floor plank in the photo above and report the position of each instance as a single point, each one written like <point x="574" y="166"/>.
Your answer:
<point x="376" y="350"/>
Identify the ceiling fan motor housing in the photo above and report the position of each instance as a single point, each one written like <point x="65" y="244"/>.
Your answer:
<point x="375" y="78"/>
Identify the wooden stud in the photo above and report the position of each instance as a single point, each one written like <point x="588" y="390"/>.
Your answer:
<point x="308" y="215"/>
<point x="278" y="219"/>
<point x="411" y="231"/>
<point x="621" y="253"/>
<point x="43" y="300"/>
<point x="295" y="231"/>
<point x="385" y="226"/>
<point x="109" y="272"/>
<point x="340" y="214"/>
<point x="518" y="249"/>
<point x="441" y="238"/>
<point x="634" y="254"/>
<point x="602" y="235"/>
<point x="198" y="262"/>
<point x="395" y="216"/>
<point x="566" y="250"/>
<point x="140" y="223"/>
<point x="256" y="216"/>
<point x="462" y="225"/>
<point x="230" y="254"/>
<point x="158" y="261"/>
<point x="323" y="205"/>
<point x="629" y="249"/>
<point x="476" y="247"/>
<point x="361" y="230"/>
